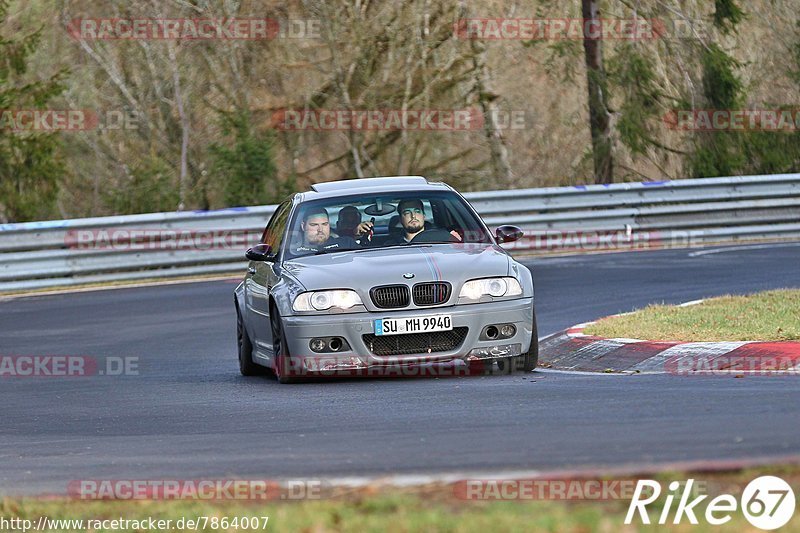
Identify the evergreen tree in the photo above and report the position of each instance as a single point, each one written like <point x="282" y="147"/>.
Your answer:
<point x="246" y="168"/>
<point x="30" y="161"/>
<point x="728" y="153"/>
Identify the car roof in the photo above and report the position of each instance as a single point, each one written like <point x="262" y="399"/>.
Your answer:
<point x="386" y="184"/>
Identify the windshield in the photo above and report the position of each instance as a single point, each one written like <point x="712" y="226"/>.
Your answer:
<point x="359" y="222"/>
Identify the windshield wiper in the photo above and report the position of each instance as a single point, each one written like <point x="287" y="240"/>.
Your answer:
<point x="335" y="250"/>
<point x="384" y="246"/>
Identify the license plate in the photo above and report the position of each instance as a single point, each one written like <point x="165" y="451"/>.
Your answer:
<point x="416" y="324"/>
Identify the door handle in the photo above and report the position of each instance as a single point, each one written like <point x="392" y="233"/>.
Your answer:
<point x="252" y="270"/>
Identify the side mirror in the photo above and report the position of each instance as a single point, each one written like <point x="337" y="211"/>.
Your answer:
<point x="508" y="233"/>
<point x="259" y="252"/>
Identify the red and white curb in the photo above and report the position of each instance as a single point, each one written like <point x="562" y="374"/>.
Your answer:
<point x="574" y="350"/>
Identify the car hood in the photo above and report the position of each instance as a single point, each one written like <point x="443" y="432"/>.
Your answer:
<point x="364" y="269"/>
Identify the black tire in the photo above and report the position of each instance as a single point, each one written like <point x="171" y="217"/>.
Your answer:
<point x="283" y="368"/>
<point x="245" y="349"/>
<point x="527" y="362"/>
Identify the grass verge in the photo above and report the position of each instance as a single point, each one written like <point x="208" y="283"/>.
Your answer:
<point x="430" y="508"/>
<point x="765" y="316"/>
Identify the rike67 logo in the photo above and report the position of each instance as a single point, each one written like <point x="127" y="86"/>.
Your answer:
<point x="767" y="502"/>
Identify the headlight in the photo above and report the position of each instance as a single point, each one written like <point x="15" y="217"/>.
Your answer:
<point x="496" y="287"/>
<point x="324" y="300"/>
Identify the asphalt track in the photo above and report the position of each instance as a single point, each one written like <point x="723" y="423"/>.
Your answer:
<point x="190" y="415"/>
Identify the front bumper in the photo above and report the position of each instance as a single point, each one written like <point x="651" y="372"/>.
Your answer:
<point x="299" y="330"/>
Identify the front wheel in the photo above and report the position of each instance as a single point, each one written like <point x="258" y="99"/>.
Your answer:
<point x="246" y="365"/>
<point x="282" y="359"/>
<point x="528" y="361"/>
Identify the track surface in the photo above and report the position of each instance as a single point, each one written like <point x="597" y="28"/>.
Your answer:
<point x="189" y="414"/>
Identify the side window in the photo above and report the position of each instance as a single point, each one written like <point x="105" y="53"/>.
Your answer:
<point x="276" y="228"/>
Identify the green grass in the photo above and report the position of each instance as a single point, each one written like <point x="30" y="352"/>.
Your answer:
<point x="766" y="316"/>
<point x="431" y="508"/>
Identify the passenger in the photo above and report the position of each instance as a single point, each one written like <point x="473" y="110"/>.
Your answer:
<point x="412" y="218"/>
<point x="348" y="221"/>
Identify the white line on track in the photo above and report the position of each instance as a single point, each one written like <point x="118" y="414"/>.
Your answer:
<point x="634" y="469"/>
<point x="743" y="247"/>
<point x="588" y="373"/>
<point x="137" y="285"/>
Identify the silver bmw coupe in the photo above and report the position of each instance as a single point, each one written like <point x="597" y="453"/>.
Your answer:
<point x="383" y="276"/>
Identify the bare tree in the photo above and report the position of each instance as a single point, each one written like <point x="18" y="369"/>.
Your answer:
<point x="599" y="115"/>
<point x="487" y="98"/>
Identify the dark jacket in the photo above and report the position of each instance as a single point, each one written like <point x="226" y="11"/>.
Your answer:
<point x="426" y="236"/>
<point x="333" y="243"/>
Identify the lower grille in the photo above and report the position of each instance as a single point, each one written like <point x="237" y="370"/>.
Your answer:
<point x="416" y="343"/>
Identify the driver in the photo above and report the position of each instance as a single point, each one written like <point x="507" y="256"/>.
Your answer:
<point x="317" y="234"/>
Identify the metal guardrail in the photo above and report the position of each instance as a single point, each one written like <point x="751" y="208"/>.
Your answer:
<point x="620" y="216"/>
